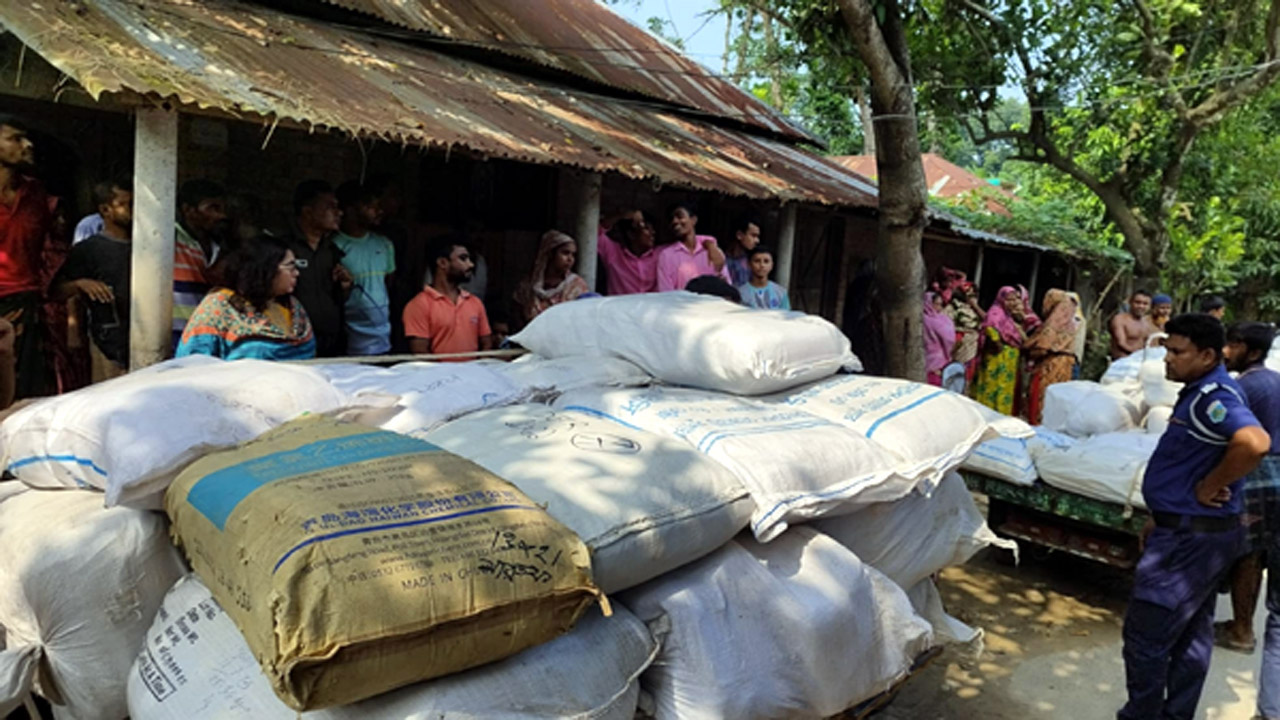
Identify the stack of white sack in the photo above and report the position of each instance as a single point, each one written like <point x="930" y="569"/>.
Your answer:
<point x="796" y="465"/>
<point x="413" y="398"/>
<point x="196" y="665"/>
<point x="695" y="340"/>
<point x="1141" y="377"/>
<point x="798" y="627"/>
<point x="932" y="430"/>
<point x="643" y="504"/>
<point x="79" y="585"/>
<point x="544" y="379"/>
<point x="1107" y="467"/>
<point x="911" y="539"/>
<point x="132" y="435"/>
<point x="1083" y="409"/>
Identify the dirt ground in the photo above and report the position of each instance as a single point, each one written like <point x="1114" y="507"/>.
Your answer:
<point x="1052" y="647"/>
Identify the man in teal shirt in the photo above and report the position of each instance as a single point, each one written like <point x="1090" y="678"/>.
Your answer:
<point x="370" y="258"/>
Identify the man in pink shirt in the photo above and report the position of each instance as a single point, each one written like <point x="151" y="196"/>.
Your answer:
<point x="631" y="262"/>
<point x="691" y="255"/>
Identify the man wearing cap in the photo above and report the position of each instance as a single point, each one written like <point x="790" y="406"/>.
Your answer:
<point x="1192" y="487"/>
<point x="1161" y="310"/>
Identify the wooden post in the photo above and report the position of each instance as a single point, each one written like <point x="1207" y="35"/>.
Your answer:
<point x="977" y="272"/>
<point x="155" y="179"/>
<point x="1035" y="276"/>
<point x="786" y="245"/>
<point x="586" y="226"/>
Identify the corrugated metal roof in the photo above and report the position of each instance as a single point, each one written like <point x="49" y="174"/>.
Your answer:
<point x="241" y="58"/>
<point x="585" y="38"/>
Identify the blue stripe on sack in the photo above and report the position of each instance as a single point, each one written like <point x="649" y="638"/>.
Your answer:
<point x="1003" y="461"/>
<point x="394" y="526"/>
<point x="217" y="494"/>
<point x="603" y="416"/>
<point x="86" y="462"/>
<point x="711" y="439"/>
<point x="825" y="495"/>
<point x="876" y="425"/>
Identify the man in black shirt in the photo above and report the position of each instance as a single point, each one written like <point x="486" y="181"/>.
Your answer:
<point x="98" y="269"/>
<point x="323" y="283"/>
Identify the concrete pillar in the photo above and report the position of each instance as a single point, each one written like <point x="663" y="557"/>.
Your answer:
<point x="155" y="180"/>
<point x="786" y="245"/>
<point x="586" y="224"/>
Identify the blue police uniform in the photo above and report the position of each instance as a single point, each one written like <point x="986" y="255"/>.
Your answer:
<point x="1168" y="629"/>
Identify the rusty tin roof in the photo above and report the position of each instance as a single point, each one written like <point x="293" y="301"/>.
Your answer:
<point x="244" y="60"/>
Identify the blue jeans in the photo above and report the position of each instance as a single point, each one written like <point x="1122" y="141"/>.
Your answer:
<point x="1269" y="675"/>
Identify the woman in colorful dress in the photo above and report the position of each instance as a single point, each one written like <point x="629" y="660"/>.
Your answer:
<point x="256" y="315"/>
<point x="1051" y="350"/>
<point x="996" y="383"/>
<point x="553" y="280"/>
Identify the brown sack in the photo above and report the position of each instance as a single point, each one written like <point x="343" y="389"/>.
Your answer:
<point x="358" y="561"/>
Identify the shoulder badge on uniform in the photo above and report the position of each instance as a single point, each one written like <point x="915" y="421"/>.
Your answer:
<point x="1217" y="411"/>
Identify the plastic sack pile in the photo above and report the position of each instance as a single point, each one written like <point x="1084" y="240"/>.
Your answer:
<point x="1095" y="439"/>
<point x="554" y="537"/>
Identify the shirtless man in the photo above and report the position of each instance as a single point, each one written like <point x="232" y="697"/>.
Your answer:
<point x="1130" y="330"/>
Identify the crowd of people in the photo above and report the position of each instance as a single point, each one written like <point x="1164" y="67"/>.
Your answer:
<point x="1147" y="315"/>
<point x="1005" y="355"/>
<point x="343" y="279"/>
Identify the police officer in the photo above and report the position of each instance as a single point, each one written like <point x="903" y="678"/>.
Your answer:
<point x="1192" y="489"/>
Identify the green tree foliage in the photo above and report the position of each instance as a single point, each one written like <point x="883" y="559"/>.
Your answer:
<point x="1119" y="94"/>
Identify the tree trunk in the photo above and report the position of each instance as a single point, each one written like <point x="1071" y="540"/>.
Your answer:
<point x="900" y="174"/>
<point x="728" y="37"/>
<point x="868" y="125"/>
<point x="899" y="266"/>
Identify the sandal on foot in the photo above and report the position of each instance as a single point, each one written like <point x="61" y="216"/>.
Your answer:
<point x="1223" y="639"/>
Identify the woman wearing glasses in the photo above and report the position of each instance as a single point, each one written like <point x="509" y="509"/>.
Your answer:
<point x="255" y="315"/>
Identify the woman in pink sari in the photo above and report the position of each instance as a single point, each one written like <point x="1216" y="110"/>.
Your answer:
<point x="996" y="384"/>
<point x="939" y="338"/>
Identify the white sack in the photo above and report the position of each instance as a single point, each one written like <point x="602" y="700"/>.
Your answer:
<point x="931" y="429"/>
<point x="911" y="539"/>
<point x="1005" y="459"/>
<point x="195" y="665"/>
<point x="79" y="585"/>
<point x="927" y="602"/>
<point x="543" y="379"/>
<point x="1125" y="370"/>
<point x="695" y="340"/>
<point x="415" y="397"/>
<point x="1000" y="425"/>
<point x="798" y="627"/>
<point x="130" y="436"/>
<point x="644" y="504"/>
<point x="1104" y="467"/>
<point x="796" y="465"/>
<point x="1082" y="409"/>
<point x="1157" y="420"/>
<point x="1157" y="390"/>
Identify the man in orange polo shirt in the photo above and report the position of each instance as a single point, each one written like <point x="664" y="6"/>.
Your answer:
<point x="444" y="318"/>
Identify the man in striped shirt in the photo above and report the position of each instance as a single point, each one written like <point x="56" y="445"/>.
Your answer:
<point x="201" y="230"/>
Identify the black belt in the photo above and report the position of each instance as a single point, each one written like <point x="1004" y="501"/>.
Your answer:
<point x="1197" y="523"/>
